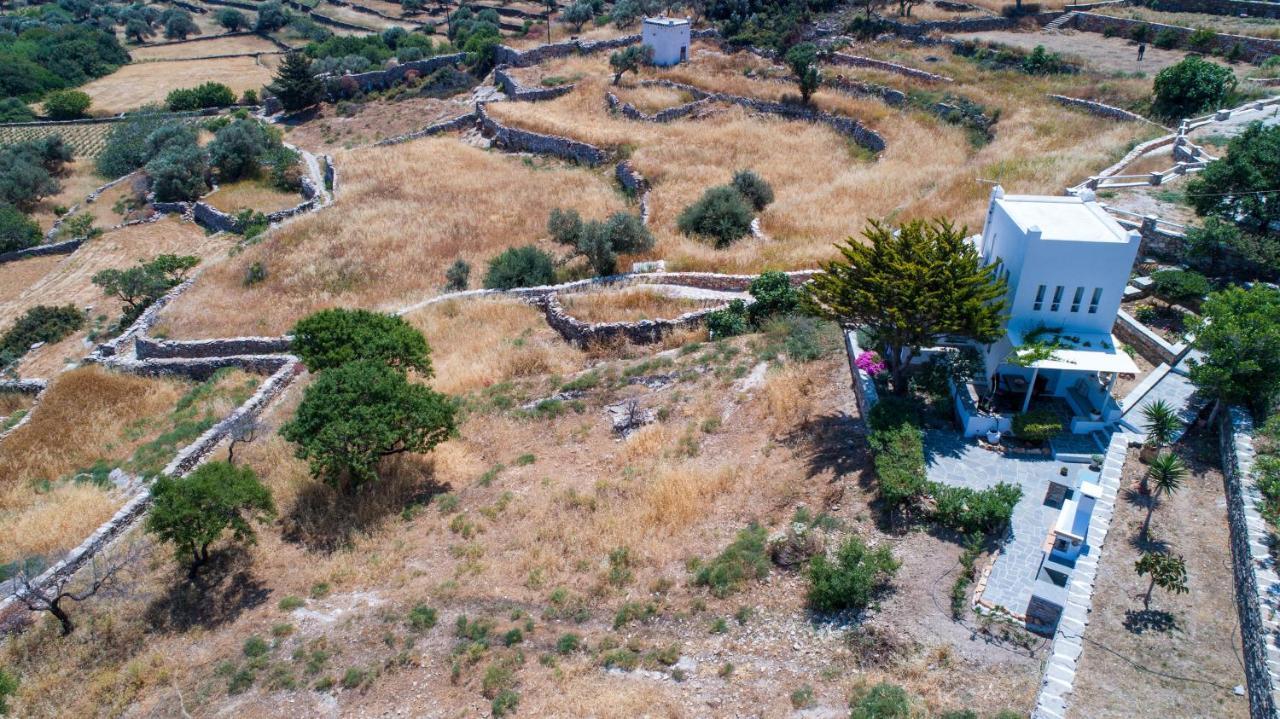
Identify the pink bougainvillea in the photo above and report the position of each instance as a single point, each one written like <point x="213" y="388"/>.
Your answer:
<point x="870" y="363"/>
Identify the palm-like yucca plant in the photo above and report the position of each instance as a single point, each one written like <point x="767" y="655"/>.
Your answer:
<point x="1164" y="477"/>
<point x="1162" y="423"/>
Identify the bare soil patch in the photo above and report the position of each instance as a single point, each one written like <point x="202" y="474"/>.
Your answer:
<point x="1105" y="54"/>
<point x="369" y="122"/>
<point x="1182" y="657"/>
<point x="239" y="44"/>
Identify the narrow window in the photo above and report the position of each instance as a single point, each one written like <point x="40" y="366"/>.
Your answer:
<point x="1057" y="298"/>
<point x="1075" y="300"/>
<point x="1093" y="303"/>
<point x="1039" y="298"/>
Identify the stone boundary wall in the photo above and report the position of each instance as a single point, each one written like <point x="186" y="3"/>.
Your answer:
<point x="633" y="181"/>
<point x="182" y="463"/>
<point x="1100" y="109"/>
<point x="505" y="55"/>
<point x="582" y="334"/>
<point x="839" y="58"/>
<point x="864" y="387"/>
<point x="207" y="112"/>
<point x="981" y="24"/>
<point x="149" y="348"/>
<point x="89" y="199"/>
<point x="1235" y="8"/>
<point x="457" y="123"/>
<point x="1148" y="343"/>
<point x="260" y="53"/>
<point x="511" y="138"/>
<point x="325" y="19"/>
<point x="197" y="368"/>
<point x="890" y="96"/>
<point x="23" y="386"/>
<point x="515" y="91"/>
<point x="1255" y="49"/>
<point x="57" y="248"/>
<point x="1256" y="584"/>
<point x="865" y="137"/>
<point x="630" y="111"/>
<point x="383" y="79"/>
<point x="140" y="325"/>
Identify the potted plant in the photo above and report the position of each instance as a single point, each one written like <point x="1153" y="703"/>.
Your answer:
<point x="1162" y="426"/>
<point x="993" y="436"/>
<point x="1038" y="426"/>
<point x="1095" y="462"/>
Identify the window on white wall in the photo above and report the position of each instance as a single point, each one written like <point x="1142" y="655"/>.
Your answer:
<point x="1075" y="299"/>
<point x="1093" y="303"/>
<point x="1057" y="298"/>
<point x="1039" y="298"/>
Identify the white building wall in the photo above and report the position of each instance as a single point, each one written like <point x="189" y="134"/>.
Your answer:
<point x="668" y="38"/>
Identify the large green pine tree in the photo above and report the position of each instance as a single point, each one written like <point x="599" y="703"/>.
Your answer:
<point x="295" y="85"/>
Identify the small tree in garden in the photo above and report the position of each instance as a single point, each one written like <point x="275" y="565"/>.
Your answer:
<point x="355" y="415"/>
<point x="803" y="61"/>
<point x="180" y="25"/>
<point x="294" y="84"/>
<point x="722" y="214"/>
<point x="17" y="231"/>
<point x="629" y="59"/>
<point x="1191" y="86"/>
<point x="178" y="173"/>
<point x="138" y="286"/>
<point x="852" y="579"/>
<point x="773" y="296"/>
<point x="1163" y="423"/>
<point x="600" y="242"/>
<point x="138" y="30"/>
<point x="909" y="288"/>
<point x="1240" y="187"/>
<point x="237" y="150"/>
<point x="334" y="337"/>
<point x="1166" y="571"/>
<point x="193" y="512"/>
<point x="1238" y="331"/>
<point x="67" y="104"/>
<point x="271" y="17"/>
<point x="1164" y="476"/>
<point x="525" y="266"/>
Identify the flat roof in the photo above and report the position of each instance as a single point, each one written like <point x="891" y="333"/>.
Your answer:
<point x="1063" y="218"/>
<point x="1091" y="352"/>
<point x="667" y="21"/>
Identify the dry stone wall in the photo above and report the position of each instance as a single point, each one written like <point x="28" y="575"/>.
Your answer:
<point x="514" y="90"/>
<point x="56" y="248"/>
<point x="1149" y="344"/>
<point x="457" y="123"/>
<point x="583" y="334"/>
<point x="630" y="111"/>
<point x="149" y="348"/>
<point x="511" y="138"/>
<point x="1237" y="8"/>
<point x="1257" y="587"/>
<point x="1252" y="49"/>
<point x="840" y="58"/>
<point x="383" y="79"/>
<point x="1100" y="109"/>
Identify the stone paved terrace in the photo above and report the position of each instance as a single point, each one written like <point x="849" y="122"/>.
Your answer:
<point x="1175" y="388"/>
<point x="958" y="462"/>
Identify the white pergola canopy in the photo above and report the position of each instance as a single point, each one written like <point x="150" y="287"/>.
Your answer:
<point x="1083" y="353"/>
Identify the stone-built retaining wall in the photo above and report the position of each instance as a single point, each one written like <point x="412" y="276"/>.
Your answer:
<point x="22" y="386"/>
<point x="630" y="111"/>
<point x="383" y="79"/>
<point x="518" y="140"/>
<point x="890" y="96"/>
<point x="515" y="91"/>
<point x="865" y="137"/>
<point x="1100" y="109"/>
<point x="583" y="334"/>
<point x="457" y="123"/>
<point x="1253" y="49"/>
<point x="1236" y="8"/>
<point x="839" y="58"/>
<point x="1149" y="344"/>
<point x="139" y="327"/>
<point x="89" y="199"/>
<point x="149" y="348"/>
<point x="57" y="248"/>
<point x="864" y="387"/>
<point x="634" y="182"/>
<point x="504" y="55"/>
<point x="1257" y="587"/>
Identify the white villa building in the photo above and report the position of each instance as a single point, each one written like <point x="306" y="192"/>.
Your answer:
<point x="1066" y="262"/>
<point x="668" y="37"/>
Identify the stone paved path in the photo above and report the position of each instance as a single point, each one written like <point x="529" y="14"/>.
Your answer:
<point x="1176" y="389"/>
<point x="958" y="462"/>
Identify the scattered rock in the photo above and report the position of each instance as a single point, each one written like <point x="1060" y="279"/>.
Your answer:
<point x="628" y="416"/>
<point x="654" y="381"/>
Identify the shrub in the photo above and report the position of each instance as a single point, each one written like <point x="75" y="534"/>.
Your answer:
<point x="17" y="231"/>
<point x="458" y="276"/>
<point x="8" y="687"/>
<point x="525" y="266"/>
<point x="422" y="618"/>
<point x="1139" y="33"/>
<point x="773" y="296"/>
<point x="1238" y="187"/>
<point x="1192" y="85"/>
<point x="194" y="511"/>
<point x="568" y="643"/>
<point x="1167" y="39"/>
<point x="883" y="701"/>
<point x="138" y="286"/>
<point x="1042" y="62"/>
<point x="178" y="173"/>
<point x="125" y="148"/>
<point x="969" y="511"/>
<point x="722" y="215"/>
<point x="852" y="579"/>
<point x="505" y="703"/>
<point x="209" y="94"/>
<point x="238" y="149"/>
<point x="231" y="19"/>
<point x="1038" y="425"/>
<point x="42" y="323"/>
<point x="331" y="338"/>
<point x="27" y="170"/>
<point x="1201" y="39"/>
<point x="600" y="242"/>
<point x="14" y="110"/>
<point x="753" y="187"/>
<point x="728" y="322"/>
<point x="66" y="104"/>
<point x="1180" y="285"/>
<point x="747" y="557"/>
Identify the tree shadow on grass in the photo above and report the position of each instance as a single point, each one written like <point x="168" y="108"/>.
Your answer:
<point x="1151" y="542"/>
<point x="223" y="589"/>
<point x="326" y="519"/>
<point x="1142" y="621"/>
<point x="836" y="444"/>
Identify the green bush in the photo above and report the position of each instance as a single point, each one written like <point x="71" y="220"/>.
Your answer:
<point x="1180" y="285"/>
<point x="525" y="266"/>
<point x="773" y="296"/>
<point x="8" y="687"/>
<point x="883" y="701"/>
<point x="1191" y="86"/>
<point x="1201" y="39"/>
<point x="238" y="149"/>
<point x="969" y="511"/>
<point x="200" y="97"/>
<point x="17" y="231"/>
<point x="458" y="276"/>
<point x="753" y="187"/>
<point x="125" y="148"/>
<point x="66" y="104"/>
<point x="728" y="322"/>
<point x="722" y="215"/>
<point x="422" y="618"/>
<point x="747" y="557"/>
<point x="41" y="323"/>
<point x="568" y="643"/>
<point x="14" y="110"/>
<point x="1038" y="425"/>
<point x="334" y="337"/>
<point x="852" y="579"/>
<point x="1167" y="39"/>
<point x="178" y="173"/>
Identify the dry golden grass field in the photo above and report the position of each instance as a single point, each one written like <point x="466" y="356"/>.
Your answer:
<point x="254" y="194"/>
<point x="236" y="45"/>
<point x="373" y="121"/>
<point x="513" y="523"/>
<point x="77" y="180"/>
<point x="402" y="215"/>
<point x="139" y="84"/>
<point x="66" y="280"/>
<point x="630" y="305"/>
<point x="86" y="416"/>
